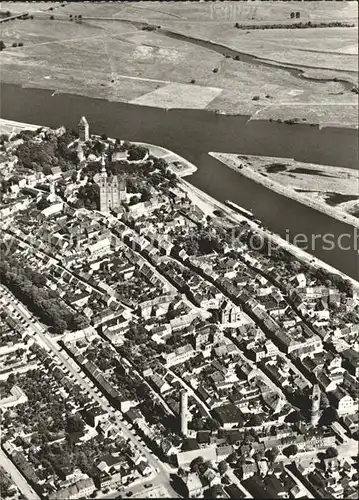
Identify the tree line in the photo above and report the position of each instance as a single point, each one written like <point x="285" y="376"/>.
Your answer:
<point x="28" y="286"/>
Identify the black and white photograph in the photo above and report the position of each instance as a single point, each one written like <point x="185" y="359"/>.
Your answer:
<point x="179" y="249"/>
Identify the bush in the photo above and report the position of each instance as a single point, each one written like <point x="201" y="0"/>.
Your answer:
<point x="331" y="452"/>
<point x="215" y="70"/>
<point x="2" y="45"/>
<point x="290" y="450"/>
<point x="193" y="80"/>
<point x="52" y="18"/>
<point x="137" y="152"/>
<point x="255" y="98"/>
<point x="20" y="44"/>
<point x="14" y="44"/>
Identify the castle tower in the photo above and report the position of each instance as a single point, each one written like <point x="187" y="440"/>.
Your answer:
<point x="184" y="412"/>
<point x="104" y="198"/>
<point x="315" y="409"/>
<point x="80" y="153"/>
<point x="84" y="131"/>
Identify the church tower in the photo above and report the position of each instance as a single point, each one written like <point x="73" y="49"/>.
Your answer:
<point x="315" y="409"/>
<point x="114" y="192"/>
<point x="80" y="153"/>
<point x="84" y="130"/>
<point x="122" y="190"/>
<point x="104" y="198"/>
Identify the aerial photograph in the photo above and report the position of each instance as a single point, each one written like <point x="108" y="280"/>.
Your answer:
<point x="179" y="249"/>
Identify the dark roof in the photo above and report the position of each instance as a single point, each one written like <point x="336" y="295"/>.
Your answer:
<point x="233" y="491"/>
<point x="190" y="444"/>
<point x="228" y="414"/>
<point x="203" y="436"/>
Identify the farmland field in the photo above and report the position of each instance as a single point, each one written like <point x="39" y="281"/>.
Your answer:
<point x="107" y="54"/>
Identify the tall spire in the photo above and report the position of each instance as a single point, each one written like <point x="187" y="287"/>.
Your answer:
<point x="315" y="409"/>
<point x="103" y="165"/>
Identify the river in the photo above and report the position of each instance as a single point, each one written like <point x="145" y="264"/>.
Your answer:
<point x="192" y="133"/>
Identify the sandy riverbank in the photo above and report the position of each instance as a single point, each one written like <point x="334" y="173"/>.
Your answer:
<point x="239" y="165"/>
<point x="9" y="126"/>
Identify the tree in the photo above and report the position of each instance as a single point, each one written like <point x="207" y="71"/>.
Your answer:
<point x="196" y="463"/>
<point x="258" y="455"/>
<point x="232" y="458"/>
<point x="331" y="452"/>
<point x="290" y="450"/>
<point x="137" y="152"/>
<point x="254" y="421"/>
<point x="2" y="45"/>
<point x="222" y="467"/>
<point x="216" y="491"/>
<point x="213" y="424"/>
<point x="74" y="423"/>
<point x="272" y="454"/>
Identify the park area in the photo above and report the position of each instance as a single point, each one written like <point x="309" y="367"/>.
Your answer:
<point x="130" y="53"/>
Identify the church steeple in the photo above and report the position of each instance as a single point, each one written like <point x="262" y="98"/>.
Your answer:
<point x="315" y="408"/>
<point x="103" y="166"/>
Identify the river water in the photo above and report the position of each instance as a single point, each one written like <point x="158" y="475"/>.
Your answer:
<point x="192" y="133"/>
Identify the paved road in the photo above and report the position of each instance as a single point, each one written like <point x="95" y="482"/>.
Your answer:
<point x="17" y="477"/>
<point x="52" y="347"/>
<point x="190" y="391"/>
<point x="345" y="450"/>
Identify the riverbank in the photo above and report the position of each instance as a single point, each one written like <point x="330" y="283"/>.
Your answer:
<point x="178" y="165"/>
<point x="240" y="165"/>
<point x="209" y="204"/>
<point x="9" y="126"/>
<point x="192" y="133"/>
<point x="187" y="65"/>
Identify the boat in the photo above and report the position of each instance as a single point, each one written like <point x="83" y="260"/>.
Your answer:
<point x="246" y="213"/>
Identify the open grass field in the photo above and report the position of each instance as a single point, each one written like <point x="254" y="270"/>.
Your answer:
<point x="108" y="55"/>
